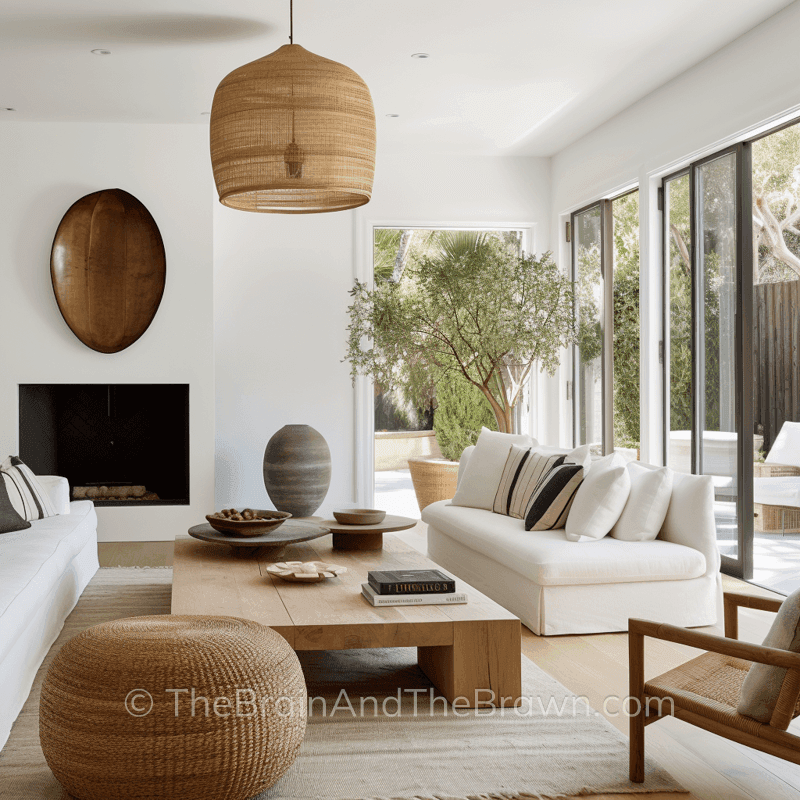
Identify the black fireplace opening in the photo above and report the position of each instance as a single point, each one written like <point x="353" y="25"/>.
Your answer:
<point x="117" y="444"/>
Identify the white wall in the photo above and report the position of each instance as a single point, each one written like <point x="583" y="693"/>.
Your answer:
<point x="750" y="82"/>
<point x="44" y="168"/>
<point x="280" y="289"/>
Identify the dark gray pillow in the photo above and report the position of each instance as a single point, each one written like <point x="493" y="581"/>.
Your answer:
<point x="763" y="684"/>
<point x="10" y="520"/>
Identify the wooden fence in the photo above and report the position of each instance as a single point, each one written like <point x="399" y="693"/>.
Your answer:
<point x="776" y="357"/>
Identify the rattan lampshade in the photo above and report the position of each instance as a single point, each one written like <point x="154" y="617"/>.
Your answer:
<point x="293" y="133"/>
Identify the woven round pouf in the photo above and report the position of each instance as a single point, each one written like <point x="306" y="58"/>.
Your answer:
<point x="201" y="708"/>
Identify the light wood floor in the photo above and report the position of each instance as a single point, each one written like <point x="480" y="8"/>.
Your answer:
<point x="711" y="768"/>
<point x="596" y="666"/>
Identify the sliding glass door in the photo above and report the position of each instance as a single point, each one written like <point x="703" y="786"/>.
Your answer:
<point x="708" y="420"/>
<point x="587" y="265"/>
<point x="605" y="264"/>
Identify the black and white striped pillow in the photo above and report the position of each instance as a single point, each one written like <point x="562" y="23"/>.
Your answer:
<point x="550" y="504"/>
<point x="28" y="497"/>
<point x="524" y="470"/>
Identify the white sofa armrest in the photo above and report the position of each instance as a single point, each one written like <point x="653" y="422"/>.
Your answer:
<point x="58" y="490"/>
<point x="690" y="517"/>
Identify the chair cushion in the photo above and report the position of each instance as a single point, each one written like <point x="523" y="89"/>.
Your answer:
<point x="786" y="447"/>
<point x="761" y="690"/>
<point x="600" y="499"/>
<point x="547" y="558"/>
<point x="779" y="491"/>
<point x="644" y="513"/>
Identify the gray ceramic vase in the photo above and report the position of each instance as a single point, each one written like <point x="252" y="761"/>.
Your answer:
<point x="297" y="469"/>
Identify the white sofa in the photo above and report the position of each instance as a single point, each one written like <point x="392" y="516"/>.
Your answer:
<point x="43" y="570"/>
<point x="557" y="587"/>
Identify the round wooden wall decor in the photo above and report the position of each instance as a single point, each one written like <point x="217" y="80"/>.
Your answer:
<point x="108" y="268"/>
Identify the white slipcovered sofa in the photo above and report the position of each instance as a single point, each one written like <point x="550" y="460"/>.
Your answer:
<point x="43" y="570"/>
<point x="559" y="587"/>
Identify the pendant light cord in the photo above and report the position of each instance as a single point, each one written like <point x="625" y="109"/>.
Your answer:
<point x="291" y="21"/>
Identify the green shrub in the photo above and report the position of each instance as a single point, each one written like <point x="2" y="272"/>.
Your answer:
<point x="461" y="411"/>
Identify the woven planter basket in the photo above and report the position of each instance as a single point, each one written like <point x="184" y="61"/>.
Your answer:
<point x="433" y="479"/>
<point x="101" y="745"/>
<point x="293" y="133"/>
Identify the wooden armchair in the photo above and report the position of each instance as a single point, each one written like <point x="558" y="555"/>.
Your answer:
<point x="705" y="690"/>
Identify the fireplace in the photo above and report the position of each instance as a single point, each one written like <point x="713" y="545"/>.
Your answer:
<point x="117" y="444"/>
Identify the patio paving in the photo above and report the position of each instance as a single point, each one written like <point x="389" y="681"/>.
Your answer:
<point x="394" y="493"/>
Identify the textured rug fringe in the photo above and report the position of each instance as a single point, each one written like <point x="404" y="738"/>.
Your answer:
<point x="585" y="792"/>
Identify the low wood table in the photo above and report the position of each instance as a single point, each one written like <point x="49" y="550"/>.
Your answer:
<point x="366" y="537"/>
<point x="467" y="650"/>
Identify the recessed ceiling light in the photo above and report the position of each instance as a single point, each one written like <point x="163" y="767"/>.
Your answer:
<point x="9" y="109"/>
<point x="392" y="115"/>
<point x="101" y="52"/>
<point x="420" y="55"/>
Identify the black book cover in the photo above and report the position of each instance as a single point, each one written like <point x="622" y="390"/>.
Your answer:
<point x="411" y="581"/>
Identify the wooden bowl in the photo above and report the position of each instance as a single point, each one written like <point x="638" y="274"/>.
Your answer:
<point x="359" y="516"/>
<point x="250" y="527"/>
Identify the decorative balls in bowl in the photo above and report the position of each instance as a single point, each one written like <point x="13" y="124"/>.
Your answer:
<point x="247" y="522"/>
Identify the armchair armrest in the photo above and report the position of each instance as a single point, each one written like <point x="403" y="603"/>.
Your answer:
<point x="733" y="600"/>
<point x="775" y="657"/>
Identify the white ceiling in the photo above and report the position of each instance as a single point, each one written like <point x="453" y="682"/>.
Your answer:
<point x="504" y="77"/>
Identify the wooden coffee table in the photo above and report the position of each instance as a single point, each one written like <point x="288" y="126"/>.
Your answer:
<point x="467" y="650"/>
<point x="366" y="537"/>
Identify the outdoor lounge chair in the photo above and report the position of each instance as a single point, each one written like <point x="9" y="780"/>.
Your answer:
<point x="776" y="485"/>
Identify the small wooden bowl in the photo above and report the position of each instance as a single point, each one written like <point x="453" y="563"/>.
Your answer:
<point x="359" y="516"/>
<point x="250" y="527"/>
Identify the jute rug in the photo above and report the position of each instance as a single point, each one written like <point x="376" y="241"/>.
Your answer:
<point x="362" y="744"/>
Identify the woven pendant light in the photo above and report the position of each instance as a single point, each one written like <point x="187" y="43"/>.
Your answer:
<point x="293" y="133"/>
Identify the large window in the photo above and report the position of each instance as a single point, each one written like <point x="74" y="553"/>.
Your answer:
<point x="424" y="414"/>
<point x="605" y="262"/>
<point x="708" y="419"/>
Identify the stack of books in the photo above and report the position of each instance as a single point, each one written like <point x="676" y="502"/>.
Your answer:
<point x="411" y="587"/>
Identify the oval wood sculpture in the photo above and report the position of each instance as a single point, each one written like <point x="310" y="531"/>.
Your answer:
<point x="108" y="268"/>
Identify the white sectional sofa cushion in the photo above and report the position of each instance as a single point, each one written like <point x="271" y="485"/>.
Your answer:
<point x="549" y="559"/>
<point x="43" y="571"/>
<point x="32" y="562"/>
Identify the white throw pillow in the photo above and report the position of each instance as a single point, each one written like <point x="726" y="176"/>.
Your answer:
<point x="478" y="484"/>
<point x="580" y="455"/>
<point x="646" y="509"/>
<point x="600" y="500"/>
<point x="58" y="490"/>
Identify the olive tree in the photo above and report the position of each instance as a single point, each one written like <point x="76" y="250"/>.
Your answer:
<point x="474" y="308"/>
